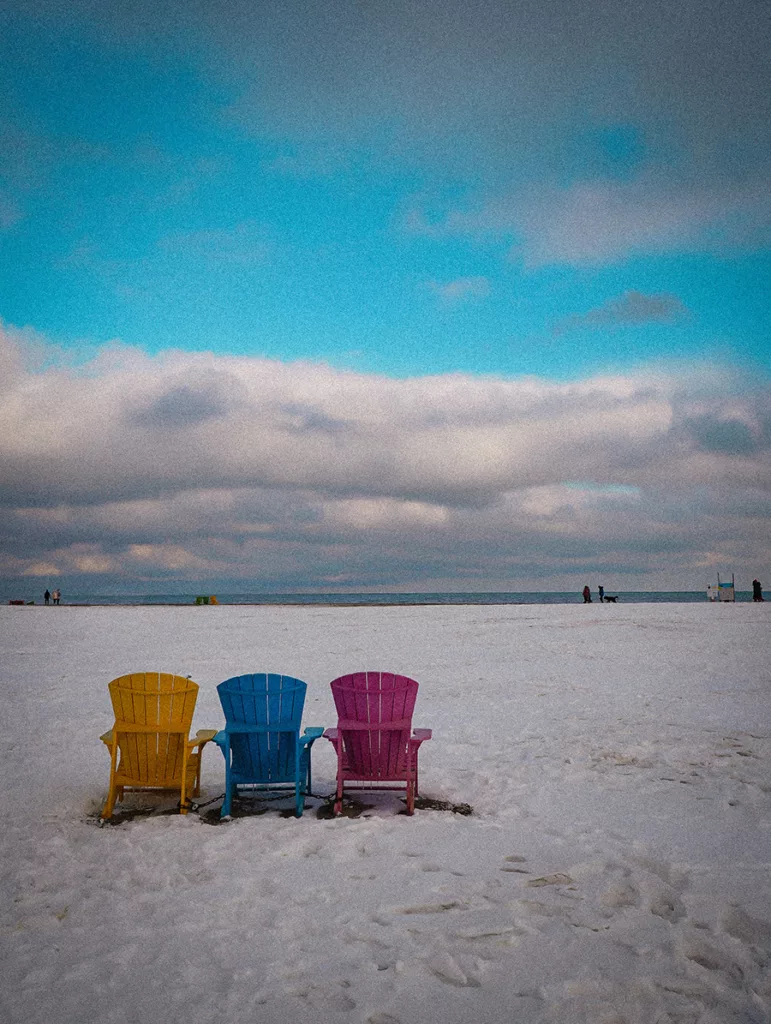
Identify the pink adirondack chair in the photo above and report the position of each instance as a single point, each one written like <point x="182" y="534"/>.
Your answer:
<point x="375" y="744"/>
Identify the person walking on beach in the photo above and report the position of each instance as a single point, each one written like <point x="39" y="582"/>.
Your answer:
<point x="47" y="596"/>
<point x="601" y="592"/>
<point x="587" y="595"/>
<point x="757" y="591"/>
<point x="57" y="596"/>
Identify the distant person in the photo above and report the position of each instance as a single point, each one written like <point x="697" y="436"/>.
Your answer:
<point x="587" y="595"/>
<point x="757" y="591"/>
<point x="601" y="592"/>
<point x="57" y="596"/>
<point x="47" y="597"/>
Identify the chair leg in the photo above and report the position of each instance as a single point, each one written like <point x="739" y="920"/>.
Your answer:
<point x="227" y="802"/>
<point x="109" y="803"/>
<point x="184" y="803"/>
<point x="339" y="797"/>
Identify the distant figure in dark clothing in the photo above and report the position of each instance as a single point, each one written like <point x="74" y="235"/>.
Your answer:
<point x="757" y="591"/>
<point x="47" y="596"/>
<point x="587" y="595"/>
<point x="601" y="592"/>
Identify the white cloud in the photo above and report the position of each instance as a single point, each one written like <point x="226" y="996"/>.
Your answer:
<point x="142" y="427"/>
<point x="604" y="221"/>
<point x="42" y="569"/>
<point x="383" y="513"/>
<point x="196" y="466"/>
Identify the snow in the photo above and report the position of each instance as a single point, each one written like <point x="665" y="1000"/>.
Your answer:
<point x="615" y="869"/>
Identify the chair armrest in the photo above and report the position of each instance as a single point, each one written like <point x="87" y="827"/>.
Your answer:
<point x="107" y="738"/>
<point x="311" y="734"/>
<point x="202" y="737"/>
<point x="220" y="739"/>
<point x="418" y="735"/>
<point x="335" y="738"/>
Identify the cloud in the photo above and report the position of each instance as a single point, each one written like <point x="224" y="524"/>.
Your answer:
<point x="727" y="436"/>
<point x="195" y="397"/>
<point x="42" y="569"/>
<point x="505" y="77"/>
<point x="461" y="290"/>
<point x="603" y="222"/>
<point x="631" y="308"/>
<point x="127" y="426"/>
<point x="298" y="475"/>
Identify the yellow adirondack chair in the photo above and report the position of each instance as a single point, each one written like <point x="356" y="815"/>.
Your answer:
<point x="149" y="745"/>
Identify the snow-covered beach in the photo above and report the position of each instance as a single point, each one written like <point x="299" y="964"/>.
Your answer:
<point x="616" y="868"/>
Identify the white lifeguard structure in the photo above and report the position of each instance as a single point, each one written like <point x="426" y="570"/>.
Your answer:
<point x="722" y="591"/>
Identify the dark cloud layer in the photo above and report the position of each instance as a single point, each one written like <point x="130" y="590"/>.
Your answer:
<point x="190" y="402"/>
<point x="630" y="308"/>
<point x="442" y="67"/>
<point x="725" y="436"/>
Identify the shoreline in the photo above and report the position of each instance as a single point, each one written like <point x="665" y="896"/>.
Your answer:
<point x="379" y="603"/>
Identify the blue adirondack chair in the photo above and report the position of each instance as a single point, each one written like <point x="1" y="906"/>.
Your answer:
<point x="261" y="741"/>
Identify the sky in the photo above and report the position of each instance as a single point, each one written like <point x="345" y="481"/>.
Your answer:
<point x="363" y="296"/>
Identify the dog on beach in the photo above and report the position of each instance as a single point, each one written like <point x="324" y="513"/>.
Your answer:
<point x="607" y="597"/>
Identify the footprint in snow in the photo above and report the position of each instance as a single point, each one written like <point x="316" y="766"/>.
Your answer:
<point x="556" y="879"/>
<point x="513" y="863"/>
<point x="329" y="997"/>
<point x="667" y="905"/>
<point x="620" y="894"/>
<point x="747" y="929"/>
<point x="447" y="969"/>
